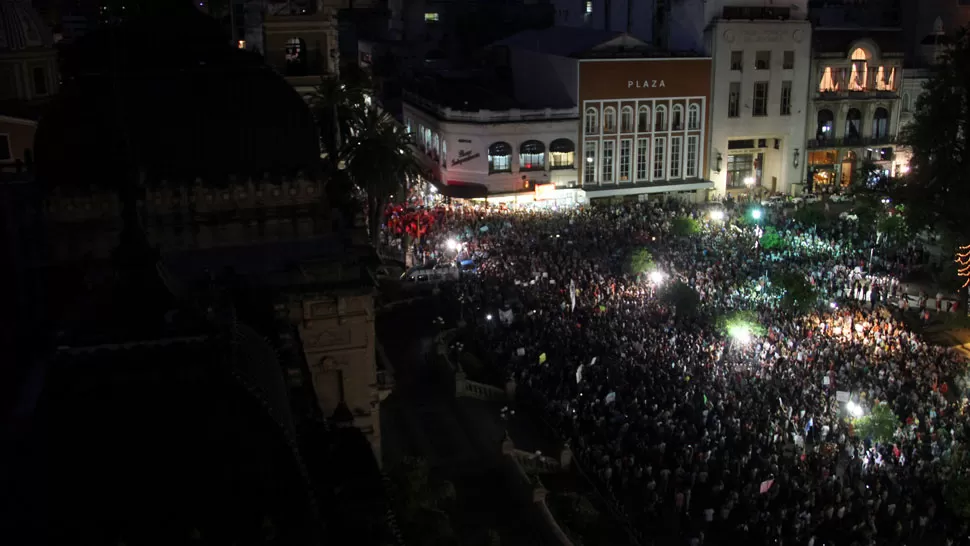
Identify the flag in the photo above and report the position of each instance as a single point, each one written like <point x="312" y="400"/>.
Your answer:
<point x="542" y="358"/>
<point x="572" y="294"/>
<point x="705" y="399"/>
<point x="579" y="374"/>
<point x="610" y="398"/>
<point x="765" y="486"/>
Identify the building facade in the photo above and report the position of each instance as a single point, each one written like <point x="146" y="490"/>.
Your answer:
<point x="855" y="107"/>
<point x="301" y="42"/>
<point x="644" y="126"/>
<point x="761" y="71"/>
<point x="506" y="152"/>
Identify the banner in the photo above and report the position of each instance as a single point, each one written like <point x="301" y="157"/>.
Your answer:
<point x="542" y="358"/>
<point x="766" y="485"/>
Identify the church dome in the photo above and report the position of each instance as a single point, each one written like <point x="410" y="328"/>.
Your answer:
<point x="22" y="28"/>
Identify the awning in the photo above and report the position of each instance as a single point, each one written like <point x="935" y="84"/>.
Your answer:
<point x="462" y="190"/>
<point x="562" y="145"/>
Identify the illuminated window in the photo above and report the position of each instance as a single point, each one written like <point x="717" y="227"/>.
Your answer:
<point x="500" y="158"/>
<point x="431" y="17"/>
<point x="884" y="78"/>
<point x="532" y="156"/>
<point x="562" y="153"/>
<point x="241" y="44"/>
<point x="859" y="76"/>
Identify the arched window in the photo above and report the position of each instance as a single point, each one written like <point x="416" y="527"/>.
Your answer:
<point x="296" y="57"/>
<point x="626" y="120"/>
<point x="591" y="125"/>
<point x="660" y="118"/>
<point x="826" y="125"/>
<point x="500" y="158"/>
<point x="693" y="117"/>
<point x="532" y="156"/>
<point x="609" y="120"/>
<point x="562" y="154"/>
<point x="859" y="76"/>
<point x="853" y="124"/>
<point x="880" y="124"/>
<point x="905" y="101"/>
<point x="677" y="118"/>
<point x="643" y="119"/>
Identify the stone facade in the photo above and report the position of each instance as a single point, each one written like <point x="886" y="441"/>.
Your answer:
<point x="302" y="45"/>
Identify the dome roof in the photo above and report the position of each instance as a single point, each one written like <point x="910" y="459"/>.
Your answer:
<point x="21" y="27"/>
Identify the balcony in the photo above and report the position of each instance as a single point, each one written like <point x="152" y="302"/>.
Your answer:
<point x="860" y="95"/>
<point x="851" y="142"/>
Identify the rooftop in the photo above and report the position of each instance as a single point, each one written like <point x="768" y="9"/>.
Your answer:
<point x="584" y="43"/>
<point x="827" y="41"/>
<point x="463" y="91"/>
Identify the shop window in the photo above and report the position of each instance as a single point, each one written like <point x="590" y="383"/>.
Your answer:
<point x="626" y="120"/>
<point x="609" y="119"/>
<point x="500" y="158"/>
<point x="589" y="160"/>
<point x="880" y="124"/>
<point x="853" y="125"/>
<point x="643" y="119"/>
<point x="532" y="156"/>
<point x="693" y="117"/>
<point x="562" y="154"/>
<point x="826" y="125"/>
<point x="660" y="118"/>
<point x="591" y="125"/>
<point x="739" y="167"/>
<point x="677" y="121"/>
<point x="296" y="57"/>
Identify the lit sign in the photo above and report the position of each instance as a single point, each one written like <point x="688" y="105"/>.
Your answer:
<point x="464" y="156"/>
<point x="643" y="84"/>
<point x="545" y="191"/>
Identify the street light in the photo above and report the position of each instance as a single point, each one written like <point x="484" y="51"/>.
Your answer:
<point x="488" y="316"/>
<point x="657" y="277"/>
<point x="855" y="410"/>
<point x="453" y="245"/>
<point x="756" y="214"/>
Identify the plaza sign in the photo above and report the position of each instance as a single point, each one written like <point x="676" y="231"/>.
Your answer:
<point x="644" y="84"/>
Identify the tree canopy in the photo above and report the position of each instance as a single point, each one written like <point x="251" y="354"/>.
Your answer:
<point x="937" y="189"/>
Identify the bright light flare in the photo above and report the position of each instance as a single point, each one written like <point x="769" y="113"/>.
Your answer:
<point x="855" y="410"/>
<point x="717" y="215"/>
<point x="756" y="214"/>
<point x="741" y="334"/>
<point x="657" y="277"/>
<point x="488" y="317"/>
<point x="452" y="244"/>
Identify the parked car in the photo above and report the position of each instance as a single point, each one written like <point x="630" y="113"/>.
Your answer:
<point x="840" y="198"/>
<point x="813" y="198"/>
<point x="774" y="201"/>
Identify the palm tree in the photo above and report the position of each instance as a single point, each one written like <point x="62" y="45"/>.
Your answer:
<point x="379" y="160"/>
<point x="336" y="104"/>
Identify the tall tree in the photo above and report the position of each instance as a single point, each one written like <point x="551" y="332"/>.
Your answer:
<point x="380" y="159"/>
<point x="937" y="190"/>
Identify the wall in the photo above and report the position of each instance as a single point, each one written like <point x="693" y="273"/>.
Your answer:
<point x="749" y="37"/>
<point x="465" y="155"/>
<point x="20" y="133"/>
<point x="636" y="83"/>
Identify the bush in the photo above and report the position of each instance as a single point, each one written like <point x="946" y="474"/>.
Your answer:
<point x="894" y="227"/>
<point x="772" y="240"/>
<point x="799" y="294"/>
<point x="641" y="261"/>
<point x="879" y="426"/>
<point x="810" y="216"/>
<point x="684" y="226"/>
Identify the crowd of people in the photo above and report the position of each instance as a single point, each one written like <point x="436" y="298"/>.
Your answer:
<point x="698" y="435"/>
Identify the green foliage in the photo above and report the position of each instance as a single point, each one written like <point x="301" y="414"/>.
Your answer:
<point x="879" y="425"/>
<point x="937" y="188"/>
<point x="681" y="297"/>
<point x="641" y="261"/>
<point x="772" y="240"/>
<point x="424" y="504"/>
<point x="683" y="226"/>
<point x="739" y="321"/>
<point x="893" y="228"/>
<point x="957" y="489"/>
<point x="799" y="294"/>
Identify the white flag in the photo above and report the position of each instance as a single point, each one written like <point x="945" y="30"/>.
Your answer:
<point x="579" y="374"/>
<point x="572" y="294"/>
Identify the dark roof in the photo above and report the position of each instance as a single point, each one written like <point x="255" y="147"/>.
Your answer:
<point x="463" y="190"/>
<point x="838" y="40"/>
<point x="560" y="41"/>
<point x="255" y="259"/>
<point x="463" y="91"/>
<point x="30" y="111"/>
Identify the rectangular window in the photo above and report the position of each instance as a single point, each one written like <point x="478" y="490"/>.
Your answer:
<point x="609" y="147"/>
<point x="643" y="159"/>
<point x="739" y="167"/>
<point x="737" y="60"/>
<point x="561" y="160"/>
<point x="658" y="158"/>
<point x="788" y="60"/>
<point x="786" y="98"/>
<point x="691" y="157"/>
<point x="626" y="149"/>
<point x="431" y="17"/>
<point x="40" y="80"/>
<point x="734" y="100"/>
<point x="759" y="106"/>
<point x="762" y="60"/>
<point x="675" y="144"/>
<point x="444" y="153"/>
<point x="589" y="163"/>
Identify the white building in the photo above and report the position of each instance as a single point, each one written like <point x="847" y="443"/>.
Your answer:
<point x="506" y="152"/>
<point x="762" y="62"/>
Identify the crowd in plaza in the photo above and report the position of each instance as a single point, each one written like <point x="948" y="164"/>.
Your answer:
<point x="697" y="435"/>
